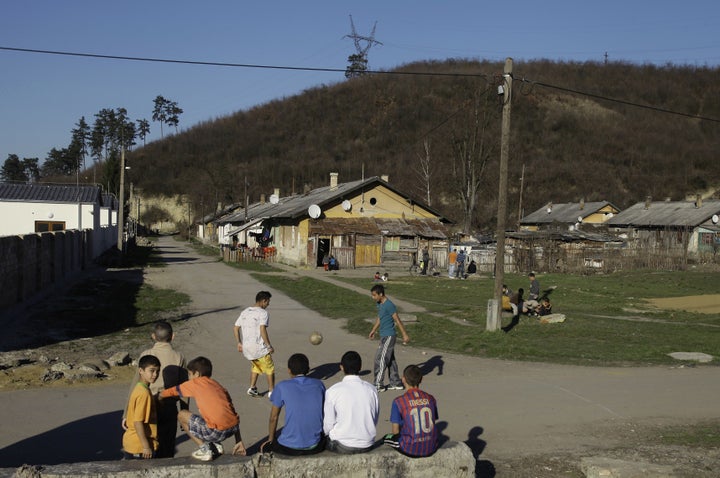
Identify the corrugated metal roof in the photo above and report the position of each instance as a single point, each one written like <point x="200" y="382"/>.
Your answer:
<point x="564" y="212"/>
<point x="427" y="228"/>
<point x="666" y="214"/>
<point x="563" y="236"/>
<point x="296" y="206"/>
<point x="61" y="193"/>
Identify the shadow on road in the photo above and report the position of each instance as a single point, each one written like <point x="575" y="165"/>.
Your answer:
<point x="435" y="362"/>
<point x="95" y="438"/>
<point x="483" y="468"/>
<point x="324" y="371"/>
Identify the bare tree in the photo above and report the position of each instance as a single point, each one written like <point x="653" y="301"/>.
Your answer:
<point x="472" y="149"/>
<point x="424" y="171"/>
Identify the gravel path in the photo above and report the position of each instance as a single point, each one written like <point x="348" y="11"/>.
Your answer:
<point x="510" y="413"/>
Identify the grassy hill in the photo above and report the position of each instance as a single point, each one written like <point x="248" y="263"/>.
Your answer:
<point x="571" y="145"/>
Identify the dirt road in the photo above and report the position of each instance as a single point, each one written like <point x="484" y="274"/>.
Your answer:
<point x="504" y="410"/>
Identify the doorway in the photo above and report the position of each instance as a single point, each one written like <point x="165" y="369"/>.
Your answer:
<point x="323" y="250"/>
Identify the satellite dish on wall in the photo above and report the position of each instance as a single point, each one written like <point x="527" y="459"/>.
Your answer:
<point x="579" y="219"/>
<point x="346" y="205"/>
<point x="274" y="199"/>
<point x="314" y="211"/>
<point x="715" y="219"/>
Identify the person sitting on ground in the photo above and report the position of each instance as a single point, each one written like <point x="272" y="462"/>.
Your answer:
<point x="413" y="417"/>
<point x="140" y="439"/>
<point x="377" y="277"/>
<point x="172" y="372"/>
<point x="472" y="267"/>
<point x="351" y="410"/>
<point x="333" y="264"/>
<point x="533" y="296"/>
<point x="303" y="399"/>
<point x="545" y="307"/>
<point x="507" y="303"/>
<point x="217" y="420"/>
<point x="385" y="277"/>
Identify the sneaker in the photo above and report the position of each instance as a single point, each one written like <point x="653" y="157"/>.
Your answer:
<point x="252" y="391"/>
<point x="380" y="388"/>
<point x="396" y="387"/>
<point x="204" y="453"/>
<point x="219" y="447"/>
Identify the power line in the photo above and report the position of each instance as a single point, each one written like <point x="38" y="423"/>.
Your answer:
<point x="231" y="65"/>
<point x="622" y="102"/>
<point x="340" y="70"/>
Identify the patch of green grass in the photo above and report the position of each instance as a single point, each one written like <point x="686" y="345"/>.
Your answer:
<point x="329" y="300"/>
<point x="608" y="322"/>
<point x="703" y="435"/>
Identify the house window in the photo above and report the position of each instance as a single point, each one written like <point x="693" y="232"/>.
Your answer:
<point x="392" y="244"/>
<point x="47" y="226"/>
<point x="706" y="238"/>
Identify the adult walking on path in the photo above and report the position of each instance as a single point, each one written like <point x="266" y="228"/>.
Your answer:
<point x="505" y="410"/>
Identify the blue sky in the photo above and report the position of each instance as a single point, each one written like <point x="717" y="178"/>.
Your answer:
<point x="43" y="96"/>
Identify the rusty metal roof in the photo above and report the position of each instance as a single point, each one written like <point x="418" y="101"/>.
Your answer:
<point x="427" y="228"/>
<point x="658" y="214"/>
<point x="563" y="236"/>
<point x="55" y="193"/>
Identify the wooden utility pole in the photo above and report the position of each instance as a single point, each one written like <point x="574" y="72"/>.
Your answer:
<point x="121" y="206"/>
<point x="493" y="320"/>
<point x="522" y="185"/>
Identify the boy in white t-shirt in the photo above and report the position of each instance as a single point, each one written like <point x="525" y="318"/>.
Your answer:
<point x="253" y="341"/>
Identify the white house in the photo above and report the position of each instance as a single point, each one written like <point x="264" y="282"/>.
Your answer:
<point x="37" y="207"/>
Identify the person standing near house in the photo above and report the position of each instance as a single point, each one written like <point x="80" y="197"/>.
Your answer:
<point x="387" y="320"/>
<point x="425" y="260"/>
<point x="460" y="271"/>
<point x="452" y="262"/>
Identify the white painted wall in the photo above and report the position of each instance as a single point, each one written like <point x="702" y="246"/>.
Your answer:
<point x="20" y="217"/>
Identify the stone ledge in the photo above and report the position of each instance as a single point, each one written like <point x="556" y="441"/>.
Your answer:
<point x="453" y="459"/>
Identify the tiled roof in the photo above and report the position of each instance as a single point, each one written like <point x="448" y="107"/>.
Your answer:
<point x="56" y="193"/>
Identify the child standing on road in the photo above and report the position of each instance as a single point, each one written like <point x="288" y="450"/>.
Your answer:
<point x="413" y="416"/>
<point x="140" y="437"/>
<point x="172" y="372"/>
<point x="252" y="340"/>
<point x="217" y="420"/>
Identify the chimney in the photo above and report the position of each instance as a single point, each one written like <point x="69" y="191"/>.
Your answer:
<point x="582" y="203"/>
<point x="648" y="200"/>
<point x="549" y="208"/>
<point x="385" y="178"/>
<point x="276" y="192"/>
<point x="219" y="207"/>
<point x="333" y="181"/>
<point x="262" y="199"/>
<point x="698" y="201"/>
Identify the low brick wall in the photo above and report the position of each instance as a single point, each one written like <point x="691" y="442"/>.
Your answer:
<point x="452" y="460"/>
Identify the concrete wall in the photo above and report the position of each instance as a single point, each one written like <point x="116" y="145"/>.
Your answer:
<point x="452" y="460"/>
<point x="35" y="262"/>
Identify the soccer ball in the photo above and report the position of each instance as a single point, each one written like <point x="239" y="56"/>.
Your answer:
<point x="316" y="338"/>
